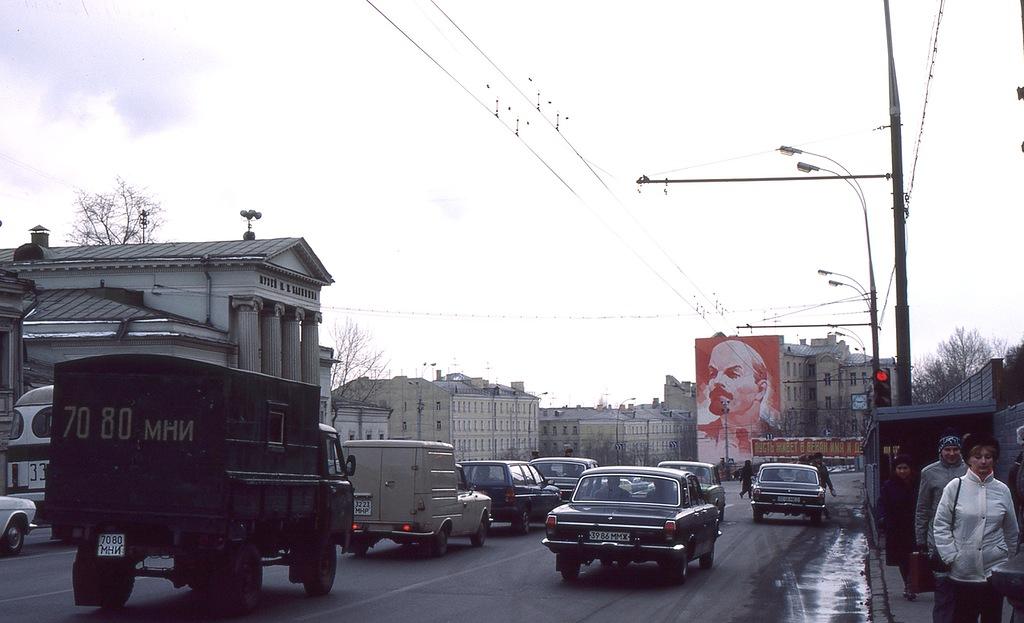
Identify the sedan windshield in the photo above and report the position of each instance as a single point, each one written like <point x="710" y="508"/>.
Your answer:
<point x="560" y="470"/>
<point x="620" y="488"/>
<point x="788" y="474"/>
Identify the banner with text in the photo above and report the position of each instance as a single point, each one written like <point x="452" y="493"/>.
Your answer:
<point x="830" y="447"/>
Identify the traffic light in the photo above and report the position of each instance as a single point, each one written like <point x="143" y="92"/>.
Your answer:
<point x="882" y="388"/>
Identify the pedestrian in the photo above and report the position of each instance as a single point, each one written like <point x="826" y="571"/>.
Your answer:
<point x="974" y="528"/>
<point x="896" y="516"/>
<point x="746" y="476"/>
<point x="934" y="478"/>
<point x="818" y="460"/>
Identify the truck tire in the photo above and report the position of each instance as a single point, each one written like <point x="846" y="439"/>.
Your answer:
<point x="321" y="579"/>
<point x="115" y="584"/>
<point x="236" y="588"/>
<point x="13" y="538"/>
<point x="480" y="535"/>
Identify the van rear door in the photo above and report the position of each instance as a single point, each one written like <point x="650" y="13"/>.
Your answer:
<point x="366" y="482"/>
<point x="397" y="483"/>
<point x="443" y="484"/>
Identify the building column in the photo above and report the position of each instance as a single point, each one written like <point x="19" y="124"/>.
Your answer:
<point x="270" y="338"/>
<point x="311" y="348"/>
<point x="291" y="362"/>
<point x="247" y="315"/>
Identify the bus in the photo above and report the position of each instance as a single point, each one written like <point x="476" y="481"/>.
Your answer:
<point x="28" y="452"/>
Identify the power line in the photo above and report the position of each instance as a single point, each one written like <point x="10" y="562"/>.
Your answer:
<point x="927" y="89"/>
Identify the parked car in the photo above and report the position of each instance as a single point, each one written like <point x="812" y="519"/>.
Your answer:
<point x="16" y="517"/>
<point x="409" y="491"/>
<point x="788" y="489"/>
<point x="710" y="484"/>
<point x="612" y="520"/>
<point x="518" y="492"/>
<point x="563" y="471"/>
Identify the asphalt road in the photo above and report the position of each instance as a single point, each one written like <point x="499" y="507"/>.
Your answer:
<point x="782" y="570"/>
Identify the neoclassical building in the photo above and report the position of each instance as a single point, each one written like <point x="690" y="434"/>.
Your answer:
<point x="252" y="304"/>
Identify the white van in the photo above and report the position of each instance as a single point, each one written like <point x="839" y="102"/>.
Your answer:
<point x="411" y="491"/>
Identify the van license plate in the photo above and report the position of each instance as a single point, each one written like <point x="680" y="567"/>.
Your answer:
<point x="110" y="546"/>
<point x="786" y="498"/>
<point x="601" y="535"/>
<point x="363" y="506"/>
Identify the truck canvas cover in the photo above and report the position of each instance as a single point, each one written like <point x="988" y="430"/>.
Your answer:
<point x="165" y="437"/>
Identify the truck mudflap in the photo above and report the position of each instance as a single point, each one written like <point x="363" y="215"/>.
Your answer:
<point x="107" y="584"/>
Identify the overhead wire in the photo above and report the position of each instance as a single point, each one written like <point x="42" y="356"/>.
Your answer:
<point x="932" y="54"/>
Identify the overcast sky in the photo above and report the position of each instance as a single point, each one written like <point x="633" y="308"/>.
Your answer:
<point x="534" y="257"/>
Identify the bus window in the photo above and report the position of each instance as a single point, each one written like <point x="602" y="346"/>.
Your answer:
<point x="17" y="425"/>
<point x="41" y="423"/>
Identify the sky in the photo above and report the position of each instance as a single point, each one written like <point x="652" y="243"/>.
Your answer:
<point x="466" y="169"/>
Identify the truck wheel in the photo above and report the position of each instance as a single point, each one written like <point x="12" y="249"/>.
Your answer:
<point x="522" y="523"/>
<point x="13" y="538"/>
<point x="480" y="535"/>
<point x="236" y="588"/>
<point x="115" y="585"/>
<point x="322" y="580"/>
<point x="439" y="545"/>
<point x="568" y="567"/>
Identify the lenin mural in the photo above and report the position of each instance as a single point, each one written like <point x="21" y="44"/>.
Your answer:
<point x="738" y="385"/>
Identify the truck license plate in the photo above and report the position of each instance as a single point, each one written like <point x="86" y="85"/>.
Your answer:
<point x="110" y="546"/>
<point x="363" y="506"/>
<point x="602" y="535"/>
<point x="786" y="498"/>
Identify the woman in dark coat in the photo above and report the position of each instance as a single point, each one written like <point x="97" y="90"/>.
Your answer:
<point x="896" y="514"/>
<point x="746" y="475"/>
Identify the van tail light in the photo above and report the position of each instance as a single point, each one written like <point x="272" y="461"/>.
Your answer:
<point x="406" y="527"/>
<point x="355" y="527"/>
<point x="510" y="495"/>
<point x="670" y="530"/>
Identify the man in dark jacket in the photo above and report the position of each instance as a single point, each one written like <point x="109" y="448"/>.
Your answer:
<point x="823" y="476"/>
<point x="934" y="479"/>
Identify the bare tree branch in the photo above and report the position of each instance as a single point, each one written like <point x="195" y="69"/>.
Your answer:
<point x="963" y="354"/>
<point x="360" y="368"/>
<point x="115" y="217"/>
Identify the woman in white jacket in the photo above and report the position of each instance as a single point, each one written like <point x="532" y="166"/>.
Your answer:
<point x="973" y="530"/>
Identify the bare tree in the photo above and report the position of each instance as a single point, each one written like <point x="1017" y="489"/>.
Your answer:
<point x="1013" y="374"/>
<point x="360" y="367"/>
<point x="963" y="354"/>
<point x="125" y="215"/>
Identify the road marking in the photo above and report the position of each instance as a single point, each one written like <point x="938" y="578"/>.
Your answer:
<point x="24" y="597"/>
<point x="13" y="559"/>
<point x="411" y="587"/>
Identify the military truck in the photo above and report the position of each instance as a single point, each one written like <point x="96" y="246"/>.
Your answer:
<point x="220" y="471"/>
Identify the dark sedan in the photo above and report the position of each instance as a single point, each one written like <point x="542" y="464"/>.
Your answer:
<point x="788" y="489"/>
<point x="517" y="490"/>
<point x="612" y="519"/>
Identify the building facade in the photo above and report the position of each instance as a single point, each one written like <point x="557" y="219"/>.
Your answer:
<point x="15" y="298"/>
<point x="640" y="435"/>
<point x="251" y="304"/>
<point x="359" y="420"/>
<point x="819" y="384"/>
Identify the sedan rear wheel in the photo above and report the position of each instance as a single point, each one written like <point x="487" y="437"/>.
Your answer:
<point x="708" y="559"/>
<point x="522" y="524"/>
<point x="675" y="570"/>
<point x="568" y="567"/>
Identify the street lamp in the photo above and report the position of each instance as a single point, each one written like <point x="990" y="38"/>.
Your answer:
<point x="855" y="185"/>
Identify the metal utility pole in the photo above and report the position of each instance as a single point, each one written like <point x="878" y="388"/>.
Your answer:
<point x="899" y="217"/>
<point x="419" y="411"/>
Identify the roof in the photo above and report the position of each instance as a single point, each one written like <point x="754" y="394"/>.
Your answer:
<point x="918" y="412"/>
<point x="93" y="305"/>
<point x="493" y="462"/>
<point x="246" y="251"/>
<point x="396" y="443"/>
<point x="694" y="463"/>
<point x="458" y="383"/>
<point x="797" y="465"/>
<point x="38" y="396"/>
<point x="633" y="469"/>
<point x="631" y="415"/>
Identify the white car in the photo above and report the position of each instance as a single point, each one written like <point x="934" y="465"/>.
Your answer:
<point x="16" y="516"/>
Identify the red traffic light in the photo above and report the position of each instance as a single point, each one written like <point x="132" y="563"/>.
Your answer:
<point x="882" y="376"/>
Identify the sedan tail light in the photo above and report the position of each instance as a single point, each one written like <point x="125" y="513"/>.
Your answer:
<point x="551" y="522"/>
<point x="670" y="530"/>
<point x="510" y="495"/>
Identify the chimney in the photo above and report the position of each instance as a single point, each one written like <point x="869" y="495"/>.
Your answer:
<point x="519" y="386"/>
<point x="654" y="401"/>
<point x="437" y="374"/>
<point x="40" y="236"/>
<point x="803" y="341"/>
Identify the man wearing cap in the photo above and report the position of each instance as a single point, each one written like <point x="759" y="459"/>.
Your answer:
<point x="934" y="479"/>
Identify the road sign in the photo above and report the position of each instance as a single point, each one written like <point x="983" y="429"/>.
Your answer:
<point x="859" y="402"/>
<point x="620" y="445"/>
<point x="673" y="444"/>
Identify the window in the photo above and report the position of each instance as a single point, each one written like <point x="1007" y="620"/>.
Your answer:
<point x="275" y="427"/>
<point x="405" y="426"/>
<point x="811" y="370"/>
<point x="828" y="379"/>
<point x="573" y="430"/>
<point x="812" y="393"/>
<point x="437" y="405"/>
<point x="369" y="435"/>
<point x="517" y="475"/>
<point x="853" y="378"/>
<point x="439" y="425"/>
<point x="333" y="455"/>
<point x="787" y="393"/>
<point x="828" y="402"/>
<point x="351" y="435"/>
<point x="17" y="425"/>
<point x="381" y="436"/>
<point x="41" y="423"/>
<point x="565" y="430"/>
<point x="788" y="372"/>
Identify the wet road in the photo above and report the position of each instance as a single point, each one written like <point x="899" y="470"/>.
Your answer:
<point x="782" y="570"/>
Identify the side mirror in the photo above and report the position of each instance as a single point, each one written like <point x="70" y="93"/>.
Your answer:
<point x="350" y="465"/>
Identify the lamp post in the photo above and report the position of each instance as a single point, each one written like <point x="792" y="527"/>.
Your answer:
<point x="872" y="309"/>
<point x="855" y="185"/>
